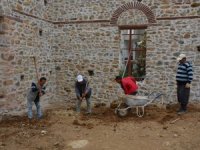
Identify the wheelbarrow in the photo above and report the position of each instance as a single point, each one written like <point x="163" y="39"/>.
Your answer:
<point x="136" y="102"/>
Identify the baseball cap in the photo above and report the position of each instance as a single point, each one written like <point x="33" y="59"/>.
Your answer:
<point x="79" y="78"/>
<point x="181" y="56"/>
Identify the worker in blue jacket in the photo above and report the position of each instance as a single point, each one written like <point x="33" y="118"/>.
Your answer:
<point x="34" y="94"/>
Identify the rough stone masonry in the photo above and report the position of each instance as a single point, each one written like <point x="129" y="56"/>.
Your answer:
<point x="74" y="36"/>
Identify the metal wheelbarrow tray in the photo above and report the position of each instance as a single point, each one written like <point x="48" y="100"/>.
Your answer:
<point x="137" y="102"/>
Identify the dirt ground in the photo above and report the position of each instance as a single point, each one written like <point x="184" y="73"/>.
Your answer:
<point x="63" y="129"/>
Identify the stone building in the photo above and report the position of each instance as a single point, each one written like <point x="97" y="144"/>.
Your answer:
<point x="97" y="38"/>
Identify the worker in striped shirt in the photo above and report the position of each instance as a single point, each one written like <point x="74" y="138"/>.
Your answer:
<point x="184" y="78"/>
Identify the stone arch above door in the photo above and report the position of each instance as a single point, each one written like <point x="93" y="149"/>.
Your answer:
<point x="133" y="5"/>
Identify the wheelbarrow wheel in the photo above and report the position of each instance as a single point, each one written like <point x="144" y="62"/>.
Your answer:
<point x="122" y="112"/>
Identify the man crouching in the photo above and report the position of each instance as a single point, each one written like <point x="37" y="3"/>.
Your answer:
<point x="82" y="90"/>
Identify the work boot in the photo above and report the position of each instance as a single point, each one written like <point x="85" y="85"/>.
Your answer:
<point x="88" y="113"/>
<point x="30" y="121"/>
<point x="77" y="113"/>
<point x="181" y="112"/>
<point x="40" y="118"/>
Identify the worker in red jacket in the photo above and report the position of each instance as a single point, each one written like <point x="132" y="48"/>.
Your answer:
<point x="128" y="84"/>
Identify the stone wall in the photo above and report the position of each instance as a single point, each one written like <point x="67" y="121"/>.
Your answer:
<point x="23" y="37"/>
<point x="82" y="35"/>
<point x="165" y="42"/>
<point x="167" y="38"/>
<point x="130" y="17"/>
<point x="103" y="9"/>
<point x="79" y="48"/>
<point x="32" y="7"/>
<point x="4" y="7"/>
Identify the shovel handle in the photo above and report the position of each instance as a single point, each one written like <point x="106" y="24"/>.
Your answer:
<point x="37" y="75"/>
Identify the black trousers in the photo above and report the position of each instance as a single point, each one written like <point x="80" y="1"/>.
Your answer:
<point x="183" y="94"/>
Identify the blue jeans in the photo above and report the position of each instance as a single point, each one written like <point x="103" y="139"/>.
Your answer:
<point x="37" y="104"/>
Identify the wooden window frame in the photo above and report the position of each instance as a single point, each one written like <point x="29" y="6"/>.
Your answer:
<point x="130" y="47"/>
